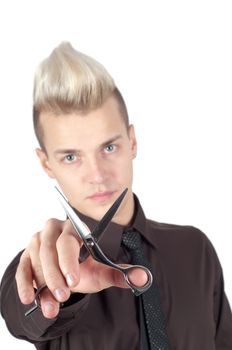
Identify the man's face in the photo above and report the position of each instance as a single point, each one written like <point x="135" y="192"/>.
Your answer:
<point x="91" y="156"/>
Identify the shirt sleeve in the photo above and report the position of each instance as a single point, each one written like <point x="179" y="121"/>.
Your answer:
<point x="223" y="319"/>
<point x="34" y="328"/>
<point x="222" y="310"/>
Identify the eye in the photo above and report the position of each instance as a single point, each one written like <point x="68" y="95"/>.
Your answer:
<point x="70" y="158"/>
<point x="110" y="148"/>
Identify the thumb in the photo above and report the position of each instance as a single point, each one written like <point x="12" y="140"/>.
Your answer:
<point x="95" y="276"/>
<point x="137" y="277"/>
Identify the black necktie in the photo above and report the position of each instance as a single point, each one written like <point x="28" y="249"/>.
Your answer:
<point x="150" y="300"/>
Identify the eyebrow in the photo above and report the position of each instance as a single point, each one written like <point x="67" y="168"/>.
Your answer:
<point x="112" y="140"/>
<point x="73" y="150"/>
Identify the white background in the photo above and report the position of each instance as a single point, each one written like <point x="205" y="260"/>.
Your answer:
<point x="172" y="62"/>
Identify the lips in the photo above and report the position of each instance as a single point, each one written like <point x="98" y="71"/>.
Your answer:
<point x="101" y="196"/>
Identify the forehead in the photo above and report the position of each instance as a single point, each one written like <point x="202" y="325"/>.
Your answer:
<point x="90" y="128"/>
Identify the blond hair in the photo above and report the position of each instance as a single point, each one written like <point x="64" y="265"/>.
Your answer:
<point x="70" y="81"/>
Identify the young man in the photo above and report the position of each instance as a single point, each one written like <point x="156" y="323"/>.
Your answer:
<point x="88" y="146"/>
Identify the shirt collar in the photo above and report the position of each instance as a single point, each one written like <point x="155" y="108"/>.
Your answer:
<point x="141" y="224"/>
<point x="110" y="242"/>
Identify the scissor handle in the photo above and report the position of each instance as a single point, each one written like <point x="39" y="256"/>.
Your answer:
<point x="36" y="301"/>
<point x="96" y="252"/>
<point x="135" y="289"/>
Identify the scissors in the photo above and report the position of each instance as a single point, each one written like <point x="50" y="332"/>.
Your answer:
<point x="91" y="247"/>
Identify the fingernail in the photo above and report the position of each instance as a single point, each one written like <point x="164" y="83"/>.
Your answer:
<point x="70" y="279"/>
<point x="60" y="294"/>
<point x="48" y="307"/>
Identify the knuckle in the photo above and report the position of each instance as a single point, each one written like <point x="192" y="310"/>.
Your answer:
<point x="99" y="277"/>
<point x="51" y="280"/>
<point x="50" y="223"/>
<point x="35" y="240"/>
<point x="64" y="239"/>
<point x="46" y="250"/>
<point x="38" y="272"/>
<point x="68" y="227"/>
<point x="117" y="278"/>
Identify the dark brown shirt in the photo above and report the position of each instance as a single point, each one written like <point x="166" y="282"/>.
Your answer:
<point x="190" y="279"/>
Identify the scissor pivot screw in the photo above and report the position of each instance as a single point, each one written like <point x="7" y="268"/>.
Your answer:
<point x="90" y="242"/>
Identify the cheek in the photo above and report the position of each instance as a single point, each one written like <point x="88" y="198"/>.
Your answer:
<point x="68" y="180"/>
<point x="125" y="172"/>
<point x="73" y="190"/>
<point x="64" y="174"/>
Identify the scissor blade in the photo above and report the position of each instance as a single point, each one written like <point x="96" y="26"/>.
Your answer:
<point x="104" y="222"/>
<point x="79" y="226"/>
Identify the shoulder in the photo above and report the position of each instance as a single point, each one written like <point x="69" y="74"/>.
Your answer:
<point x="186" y="247"/>
<point x="181" y="238"/>
<point x="175" y="232"/>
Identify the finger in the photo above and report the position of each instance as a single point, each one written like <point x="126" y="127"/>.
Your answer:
<point x="24" y="279"/>
<point x="53" y="276"/>
<point x="49" y="305"/>
<point x="29" y="272"/>
<point x="138" y="277"/>
<point x="68" y="249"/>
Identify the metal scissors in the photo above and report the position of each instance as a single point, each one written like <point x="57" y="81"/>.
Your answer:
<point x="91" y="247"/>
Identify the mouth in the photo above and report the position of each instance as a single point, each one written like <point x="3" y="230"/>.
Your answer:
<point x="101" y="196"/>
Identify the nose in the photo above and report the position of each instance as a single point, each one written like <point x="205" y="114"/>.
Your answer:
<point x="96" y="171"/>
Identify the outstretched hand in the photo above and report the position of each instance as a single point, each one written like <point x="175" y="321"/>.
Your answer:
<point x="52" y="258"/>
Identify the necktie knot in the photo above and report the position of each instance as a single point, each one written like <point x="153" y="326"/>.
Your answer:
<point x="132" y="239"/>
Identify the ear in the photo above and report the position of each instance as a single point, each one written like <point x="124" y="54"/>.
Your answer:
<point x="44" y="162"/>
<point x="133" y="141"/>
